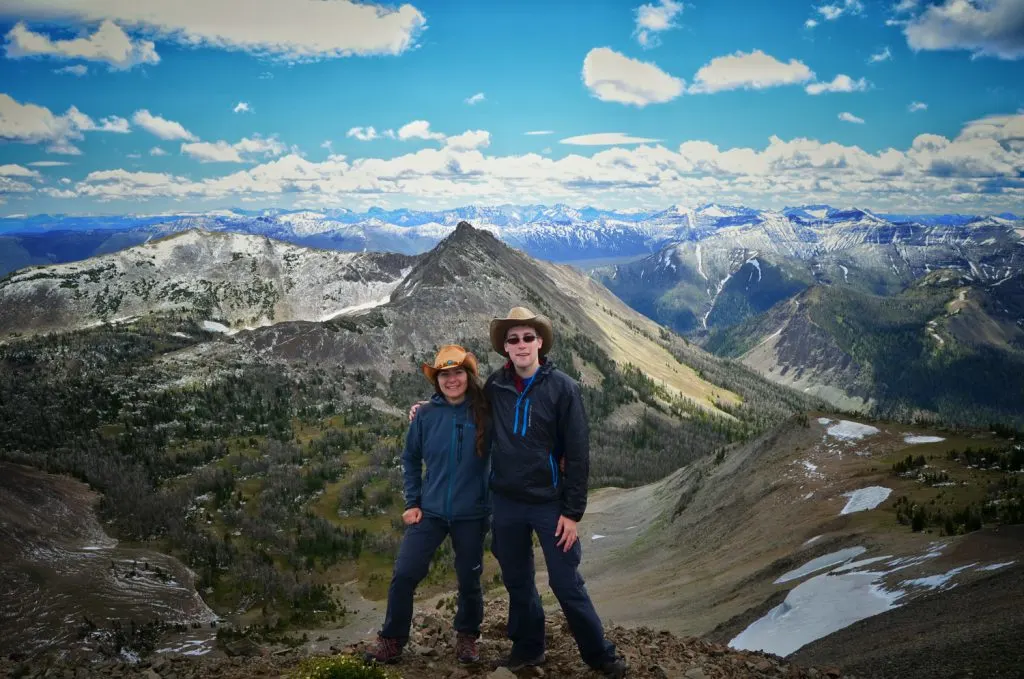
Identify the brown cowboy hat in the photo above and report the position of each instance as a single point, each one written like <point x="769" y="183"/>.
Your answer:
<point x="449" y="356"/>
<point x="521" y="316"/>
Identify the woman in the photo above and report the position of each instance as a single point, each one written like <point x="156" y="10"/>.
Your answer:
<point x="449" y="436"/>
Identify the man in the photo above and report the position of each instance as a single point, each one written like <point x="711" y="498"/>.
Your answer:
<point x="540" y="461"/>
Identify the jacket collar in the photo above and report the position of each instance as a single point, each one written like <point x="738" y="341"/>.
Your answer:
<point x="507" y="374"/>
<point x="440" y="400"/>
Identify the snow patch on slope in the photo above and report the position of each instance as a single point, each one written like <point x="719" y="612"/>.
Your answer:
<point x="851" y="431"/>
<point x="865" y="499"/>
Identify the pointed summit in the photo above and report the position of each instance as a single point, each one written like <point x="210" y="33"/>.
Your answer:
<point x="467" y="254"/>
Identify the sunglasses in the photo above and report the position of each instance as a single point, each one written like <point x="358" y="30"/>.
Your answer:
<point x="514" y="339"/>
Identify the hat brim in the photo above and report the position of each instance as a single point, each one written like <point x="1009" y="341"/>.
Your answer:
<point x="540" y="323"/>
<point x="469" y="363"/>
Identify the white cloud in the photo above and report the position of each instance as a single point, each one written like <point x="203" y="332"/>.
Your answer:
<point x="113" y="124"/>
<point x="161" y="127"/>
<point x="49" y="163"/>
<point x="534" y="133"/>
<point x="418" y="129"/>
<point x="469" y="140"/>
<point x="850" y="118"/>
<point x="841" y="83"/>
<point x="655" y="18"/>
<point x="13" y="180"/>
<point x="76" y="70"/>
<point x="224" y="152"/>
<point x="109" y="44"/>
<point x="1005" y="129"/>
<point x="904" y="6"/>
<point x="64" y="147"/>
<point x="916" y="106"/>
<point x="992" y="28"/>
<point x="157" y="151"/>
<point x="475" y="99"/>
<point x="242" y="107"/>
<point x="611" y="76"/>
<point x="363" y="133"/>
<point x="980" y="168"/>
<point x="212" y="152"/>
<point x="265" y="146"/>
<point x="328" y="144"/>
<point x="30" y="123"/>
<point x="33" y="124"/>
<point x="17" y="171"/>
<point x="832" y="12"/>
<point x="294" y="31"/>
<point x="755" y="70"/>
<point x="606" y="139"/>
<point x="266" y="75"/>
<point x="884" y="55"/>
<point x="810" y="23"/>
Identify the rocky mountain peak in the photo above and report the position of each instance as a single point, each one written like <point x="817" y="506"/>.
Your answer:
<point x="468" y="253"/>
<point x="465" y="233"/>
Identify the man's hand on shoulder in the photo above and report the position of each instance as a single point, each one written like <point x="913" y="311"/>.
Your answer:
<point x="567" y="532"/>
<point x="415" y="407"/>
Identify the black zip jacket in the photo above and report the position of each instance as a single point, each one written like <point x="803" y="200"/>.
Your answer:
<point x="533" y="432"/>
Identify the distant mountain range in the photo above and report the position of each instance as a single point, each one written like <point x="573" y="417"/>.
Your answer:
<point x="868" y="313"/>
<point x="557" y="233"/>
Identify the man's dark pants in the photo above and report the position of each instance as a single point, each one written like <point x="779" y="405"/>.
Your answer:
<point x="419" y="543"/>
<point x="511" y="541"/>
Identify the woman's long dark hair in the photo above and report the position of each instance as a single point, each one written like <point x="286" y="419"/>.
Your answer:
<point x="478" y="405"/>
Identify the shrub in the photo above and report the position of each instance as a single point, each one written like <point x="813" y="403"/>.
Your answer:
<point x="340" y="667"/>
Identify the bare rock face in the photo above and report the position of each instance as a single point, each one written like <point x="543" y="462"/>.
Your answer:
<point x="234" y="280"/>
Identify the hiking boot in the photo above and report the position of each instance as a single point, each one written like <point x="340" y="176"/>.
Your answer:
<point x="614" y="667"/>
<point x="466" y="649"/>
<point x="516" y="661"/>
<point x="386" y="650"/>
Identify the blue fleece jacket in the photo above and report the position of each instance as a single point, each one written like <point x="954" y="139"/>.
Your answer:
<point x="442" y="438"/>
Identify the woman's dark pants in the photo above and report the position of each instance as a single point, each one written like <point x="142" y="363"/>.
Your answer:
<point x="419" y="543"/>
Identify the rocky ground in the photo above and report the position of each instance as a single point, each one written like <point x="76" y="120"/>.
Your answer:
<point x="431" y="654"/>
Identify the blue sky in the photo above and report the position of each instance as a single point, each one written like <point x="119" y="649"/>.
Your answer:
<point x="127" y="106"/>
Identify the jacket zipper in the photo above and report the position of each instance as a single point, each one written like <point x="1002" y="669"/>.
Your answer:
<point x="526" y="389"/>
<point x="451" y="469"/>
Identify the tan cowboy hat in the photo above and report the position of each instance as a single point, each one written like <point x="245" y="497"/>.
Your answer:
<point x="521" y="316"/>
<point x="449" y="356"/>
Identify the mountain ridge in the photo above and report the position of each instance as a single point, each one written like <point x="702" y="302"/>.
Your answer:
<point x="232" y="279"/>
<point x="559" y="232"/>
